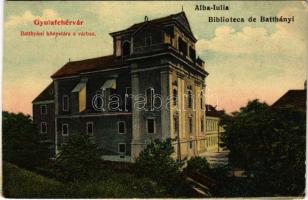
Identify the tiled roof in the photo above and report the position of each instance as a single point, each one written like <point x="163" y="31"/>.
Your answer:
<point x="108" y="62"/>
<point x="295" y="98"/>
<point x="76" y="67"/>
<point x="212" y="112"/>
<point x="154" y="21"/>
<point x="46" y="94"/>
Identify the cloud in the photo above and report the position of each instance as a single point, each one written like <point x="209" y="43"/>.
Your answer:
<point x="28" y="17"/>
<point x="255" y="62"/>
<point x="227" y="40"/>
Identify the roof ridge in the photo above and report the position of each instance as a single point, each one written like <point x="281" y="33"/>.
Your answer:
<point x="159" y="18"/>
<point x="90" y="58"/>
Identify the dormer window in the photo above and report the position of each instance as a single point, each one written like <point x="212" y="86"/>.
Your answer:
<point x="80" y="94"/>
<point x="126" y="48"/>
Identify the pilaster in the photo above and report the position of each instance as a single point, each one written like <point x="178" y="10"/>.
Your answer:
<point x="166" y="109"/>
<point x="136" y="145"/>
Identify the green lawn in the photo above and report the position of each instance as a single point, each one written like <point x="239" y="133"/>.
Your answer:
<point x="21" y="183"/>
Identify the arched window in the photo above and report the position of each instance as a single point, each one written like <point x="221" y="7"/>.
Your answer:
<point x="189" y="99"/>
<point x="126" y="48"/>
<point x="175" y="97"/>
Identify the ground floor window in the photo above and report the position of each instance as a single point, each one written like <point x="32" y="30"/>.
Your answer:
<point x="122" y="148"/>
<point x="150" y="126"/>
<point x="64" y="129"/>
<point x="90" y="128"/>
<point x="190" y="144"/>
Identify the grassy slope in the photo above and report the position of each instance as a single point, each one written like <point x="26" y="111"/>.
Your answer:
<point x="20" y="183"/>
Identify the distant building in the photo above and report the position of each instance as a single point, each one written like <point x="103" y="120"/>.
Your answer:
<point x="213" y="129"/>
<point x="296" y="98"/>
<point x="44" y="116"/>
<point x="154" y="57"/>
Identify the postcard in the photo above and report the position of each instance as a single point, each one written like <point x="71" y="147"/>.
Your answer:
<point x="154" y="99"/>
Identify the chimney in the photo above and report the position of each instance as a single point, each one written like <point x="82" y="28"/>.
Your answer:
<point x="146" y="18"/>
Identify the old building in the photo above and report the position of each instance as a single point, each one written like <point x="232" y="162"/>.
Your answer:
<point x="152" y="86"/>
<point x="216" y="155"/>
<point x="213" y="129"/>
<point x="296" y="98"/>
<point x="44" y="116"/>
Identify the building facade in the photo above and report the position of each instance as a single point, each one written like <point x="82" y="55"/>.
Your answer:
<point x="213" y="129"/>
<point x="151" y="87"/>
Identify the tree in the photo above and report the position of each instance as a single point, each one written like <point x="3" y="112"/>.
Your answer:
<point x="269" y="144"/>
<point x="199" y="165"/>
<point x="155" y="162"/>
<point x="21" y="141"/>
<point x="243" y="130"/>
<point x="78" y="160"/>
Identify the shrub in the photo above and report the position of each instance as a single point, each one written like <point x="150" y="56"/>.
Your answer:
<point x="199" y="165"/>
<point x="155" y="162"/>
<point x="78" y="160"/>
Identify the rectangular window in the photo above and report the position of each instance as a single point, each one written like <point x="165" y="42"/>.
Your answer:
<point x="43" y="127"/>
<point x="192" y="53"/>
<point x="175" y="97"/>
<point x="190" y="144"/>
<point x="176" y="124"/>
<point x="150" y="98"/>
<point x="190" y="124"/>
<point x="122" y="148"/>
<point x="90" y="128"/>
<point x="150" y="126"/>
<point x="202" y="125"/>
<point x="182" y="46"/>
<point x="121" y="127"/>
<point x="190" y="99"/>
<point x="43" y="109"/>
<point x="65" y="129"/>
<point x="65" y="103"/>
<point x="201" y="101"/>
<point x="148" y="40"/>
